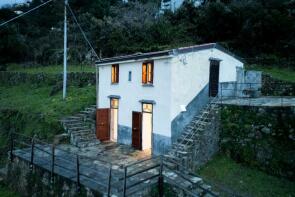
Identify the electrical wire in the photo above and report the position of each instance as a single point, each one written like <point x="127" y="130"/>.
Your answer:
<point x="35" y="8"/>
<point x="83" y="33"/>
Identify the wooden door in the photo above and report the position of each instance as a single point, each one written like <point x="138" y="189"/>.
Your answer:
<point x="136" y="130"/>
<point x="214" y="78"/>
<point x="103" y="124"/>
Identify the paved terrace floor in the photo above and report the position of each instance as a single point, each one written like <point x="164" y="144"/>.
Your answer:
<point x="94" y="163"/>
<point x="261" y="101"/>
<point x="94" y="166"/>
<point x="116" y="154"/>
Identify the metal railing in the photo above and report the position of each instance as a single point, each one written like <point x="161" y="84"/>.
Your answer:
<point x="122" y="183"/>
<point x="251" y="94"/>
<point x="208" y="108"/>
<point x="72" y="163"/>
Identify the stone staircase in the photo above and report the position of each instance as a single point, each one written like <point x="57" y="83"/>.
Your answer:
<point x="182" y="183"/>
<point x="81" y="127"/>
<point x="187" y="149"/>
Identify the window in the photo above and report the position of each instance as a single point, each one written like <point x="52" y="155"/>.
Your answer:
<point x="129" y="76"/>
<point x="147" y="107"/>
<point x="147" y="72"/>
<point x="114" y="103"/>
<point x="115" y="73"/>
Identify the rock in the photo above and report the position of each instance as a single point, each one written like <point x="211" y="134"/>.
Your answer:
<point x="225" y="140"/>
<point x="266" y="130"/>
<point x="292" y="137"/>
<point x="251" y="135"/>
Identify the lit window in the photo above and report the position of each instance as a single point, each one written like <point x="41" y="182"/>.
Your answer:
<point x="147" y="107"/>
<point x="114" y="103"/>
<point x="147" y="72"/>
<point x="115" y="73"/>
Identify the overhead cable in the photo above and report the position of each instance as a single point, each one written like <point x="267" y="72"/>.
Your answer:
<point x="35" y="8"/>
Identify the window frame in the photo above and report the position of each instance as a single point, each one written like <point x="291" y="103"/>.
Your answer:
<point x="142" y="108"/>
<point x="147" y="73"/>
<point x="111" y="103"/>
<point x="115" y="71"/>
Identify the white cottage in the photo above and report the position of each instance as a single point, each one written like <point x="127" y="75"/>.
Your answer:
<point x="146" y="99"/>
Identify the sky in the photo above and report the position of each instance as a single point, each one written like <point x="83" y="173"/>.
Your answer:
<point x="3" y="2"/>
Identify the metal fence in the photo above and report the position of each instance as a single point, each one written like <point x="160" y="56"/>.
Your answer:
<point x="273" y="93"/>
<point x="104" y="178"/>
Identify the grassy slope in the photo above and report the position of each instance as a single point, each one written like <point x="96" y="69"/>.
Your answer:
<point x="26" y="98"/>
<point x="30" y="99"/>
<point x="51" y="69"/>
<point x="278" y="73"/>
<point x="245" y="181"/>
<point x="4" y="192"/>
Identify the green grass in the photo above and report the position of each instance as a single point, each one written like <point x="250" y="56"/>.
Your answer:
<point x="27" y="98"/>
<point x="278" y="73"/>
<point x="53" y="69"/>
<point x="236" y="178"/>
<point x="4" y="192"/>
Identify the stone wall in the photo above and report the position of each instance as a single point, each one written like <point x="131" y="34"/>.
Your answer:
<point x="207" y="142"/>
<point x="262" y="137"/>
<point x="275" y="87"/>
<point x="38" y="182"/>
<point x="74" y="78"/>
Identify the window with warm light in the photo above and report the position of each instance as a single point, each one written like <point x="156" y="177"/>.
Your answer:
<point x="147" y="107"/>
<point x="148" y="72"/>
<point x="115" y="73"/>
<point x="114" y="103"/>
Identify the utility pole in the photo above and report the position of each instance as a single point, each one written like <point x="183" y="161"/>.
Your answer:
<point x="65" y="52"/>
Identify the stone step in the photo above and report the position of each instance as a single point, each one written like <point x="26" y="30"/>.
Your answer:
<point x="202" y="123"/>
<point x="77" y="132"/>
<point x="88" y="143"/>
<point x="87" y="112"/>
<point x="73" y="117"/>
<point x="83" y="137"/>
<point x="186" y="140"/>
<point x="83" y="134"/>
<point x="91" y="108"/>
<point x="79" y="140"/>
<point x="74" y="124"/>
<point x="78" y="128"/>
<point x="180" y="146"/>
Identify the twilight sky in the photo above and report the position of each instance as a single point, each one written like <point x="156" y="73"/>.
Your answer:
<point x="3" y="2"/>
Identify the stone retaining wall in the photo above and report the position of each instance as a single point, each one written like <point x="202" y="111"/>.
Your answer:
<point x="262" y="137"/>
<point x="38" y="182"/>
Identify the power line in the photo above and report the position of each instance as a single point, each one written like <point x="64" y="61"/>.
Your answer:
<point x="83" y="33"/>
<point x="35" y="8"/>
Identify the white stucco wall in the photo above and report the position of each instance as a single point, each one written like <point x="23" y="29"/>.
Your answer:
<point x="132" y="92"/>
<point x="190" y="74"/>
<point x="177" y="81"/>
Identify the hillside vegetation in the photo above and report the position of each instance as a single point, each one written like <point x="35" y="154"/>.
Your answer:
<point x="36" y="106"/>
<point x="252" y="28"/>
<point x="239" y="180"/>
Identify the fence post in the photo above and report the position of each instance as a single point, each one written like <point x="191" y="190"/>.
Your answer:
<point x="78" y="174"/>
<point x="52" y="163"/>
<point x="32" y="153"/>
<point x="125" y="181"/>
<point x="250" y="90"/>
<point x="110" y="180"/>
<point x="221" y="92"/>
<point x="161" y="179"/>
<point x="11" y="146"/>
